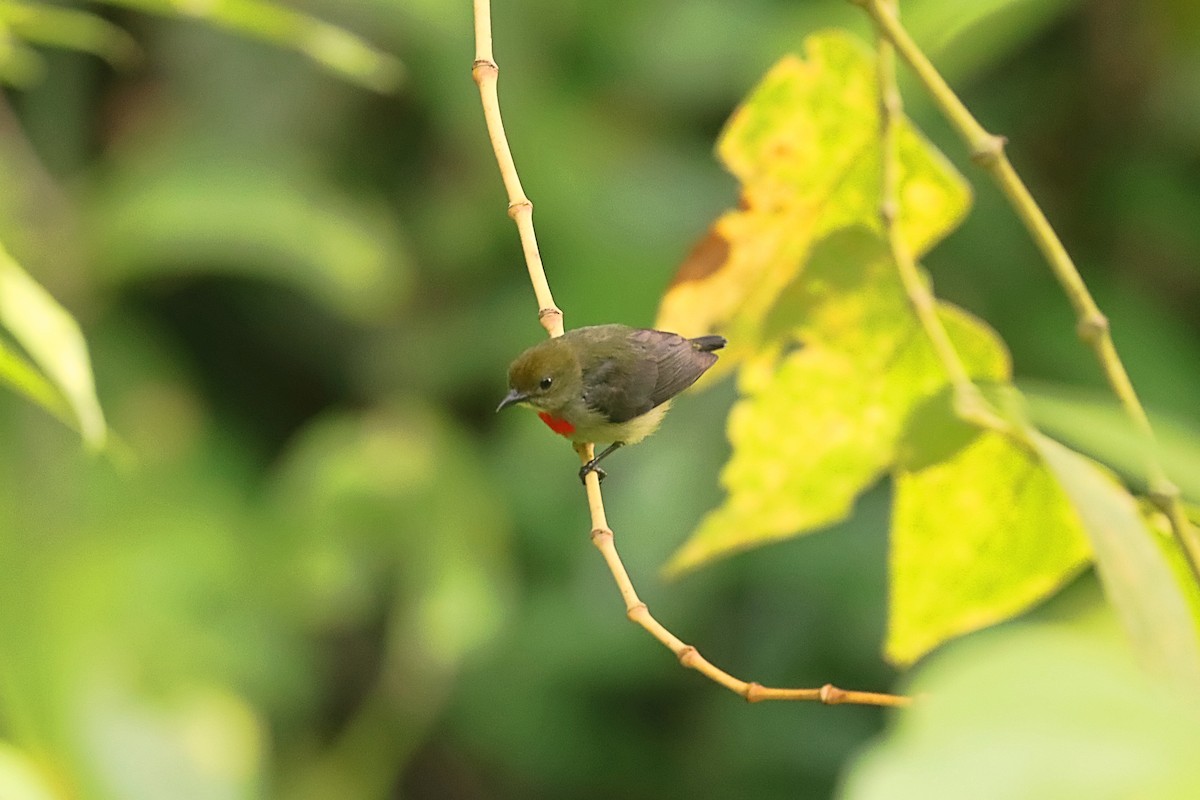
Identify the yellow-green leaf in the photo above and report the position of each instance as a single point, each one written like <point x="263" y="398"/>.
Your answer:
<point x="1157" y="521"/>
<point x="1137" y="578"/>
<point x="54" y="342"/>
<point x="818" y="425"/>
<point x="976" y="538"/>
<point x="805" y="148"/>
<point x="1036" y="713"/>
<point x="23" y="778"/>
<point x="17" y="372"/>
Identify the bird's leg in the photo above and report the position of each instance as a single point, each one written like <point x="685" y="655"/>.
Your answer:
<point x="594" y="464"/>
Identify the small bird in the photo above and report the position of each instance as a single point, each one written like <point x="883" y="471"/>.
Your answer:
<point x="607" y="383"/>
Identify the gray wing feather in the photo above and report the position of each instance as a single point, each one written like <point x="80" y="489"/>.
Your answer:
<point x="620" y="393"/>
<point x="667" y="364"/>
<point x="679" y="364"/>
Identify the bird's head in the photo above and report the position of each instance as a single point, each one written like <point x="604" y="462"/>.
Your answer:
<point x="546" y="376"/>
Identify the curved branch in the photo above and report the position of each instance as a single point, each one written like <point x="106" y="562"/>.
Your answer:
<point x="486" y="73"/>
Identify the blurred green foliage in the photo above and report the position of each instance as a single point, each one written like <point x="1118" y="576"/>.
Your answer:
<point x="328" y="570"/>
<point x="1066" y="713"/>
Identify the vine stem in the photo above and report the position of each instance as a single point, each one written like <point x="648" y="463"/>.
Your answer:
<point x="486" y="73"/>
<point x="969" y="402"/>
<point x="1092" y="325"/>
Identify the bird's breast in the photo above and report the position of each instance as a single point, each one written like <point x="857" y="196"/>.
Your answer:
<point x="629" y="432"/>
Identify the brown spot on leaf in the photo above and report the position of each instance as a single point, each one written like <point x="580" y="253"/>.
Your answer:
<point x="708" y="256"/>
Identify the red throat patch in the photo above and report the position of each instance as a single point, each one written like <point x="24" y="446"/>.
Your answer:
<point x="559" y="426"/>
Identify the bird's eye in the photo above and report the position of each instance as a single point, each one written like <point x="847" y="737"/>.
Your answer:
<point x="544" y="384"/>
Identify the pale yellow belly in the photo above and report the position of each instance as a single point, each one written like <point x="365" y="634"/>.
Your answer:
<point x="629" y="432"/>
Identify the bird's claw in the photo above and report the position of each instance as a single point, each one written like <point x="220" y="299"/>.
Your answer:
<point x="591" y="466"/>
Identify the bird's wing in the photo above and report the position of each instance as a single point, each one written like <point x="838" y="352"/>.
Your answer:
<point x="621" y="390"/>
<point x="678" y="363"/>
<point x="664" y="365"/>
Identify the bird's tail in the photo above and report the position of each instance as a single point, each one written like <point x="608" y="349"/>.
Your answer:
<point x="706" y="344"/>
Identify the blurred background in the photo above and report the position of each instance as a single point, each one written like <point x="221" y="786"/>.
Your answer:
<point x="320" y="566"/>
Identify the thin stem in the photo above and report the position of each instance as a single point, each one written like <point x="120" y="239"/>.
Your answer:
<point x="969" y="402"/>
<point x="1092" y="325"/>
<point x="485" y="73"/>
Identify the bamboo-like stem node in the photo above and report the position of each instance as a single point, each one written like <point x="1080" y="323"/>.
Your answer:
<point x="1092" y="327"/>
<point x="1163" y="494"/>
<point x="519" y="207"/>
<point x="888" y="211"/>
<point x="988" y="150"/>
<point x="637" y="612"/>
<point x="689" y="656"/>
<point x="891" y="102"/>
<point x="481" y="65"/>
<point x="832" y="695"/>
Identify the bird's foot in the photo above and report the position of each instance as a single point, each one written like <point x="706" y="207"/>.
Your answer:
<point x="591" y="466"/>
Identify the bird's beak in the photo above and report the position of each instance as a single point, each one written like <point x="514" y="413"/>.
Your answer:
<point x="511" y="399"/>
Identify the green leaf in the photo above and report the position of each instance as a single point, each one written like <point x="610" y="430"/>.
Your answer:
<point x="1037" y="713"/>
<point x="188" y="206"/>
<point x="1133" y="569"/>
<point x="962" y="38"/>
<point x="805" y="148"/>
<point x="20" y="65"/>
<point x="69" y="28"/>
<point x="976" y="538"/>
<point x="818" y="425"/>
<point x="54" y="342"/>
<point x="334" y="48"/>
<point x="1093" y="423"/>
